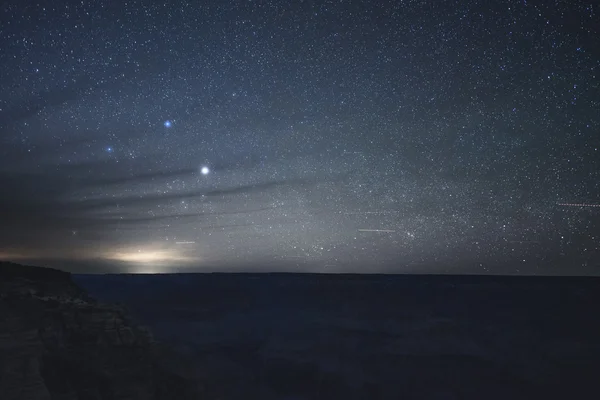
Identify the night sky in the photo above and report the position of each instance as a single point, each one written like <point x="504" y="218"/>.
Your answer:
<point x="307" y="136"/>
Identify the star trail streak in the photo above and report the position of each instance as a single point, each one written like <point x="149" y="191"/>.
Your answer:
<point x="578" y="205"/>
<point x="378" y="230"/>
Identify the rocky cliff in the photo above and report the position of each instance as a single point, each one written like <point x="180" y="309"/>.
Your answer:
<point x="58" y="343"/>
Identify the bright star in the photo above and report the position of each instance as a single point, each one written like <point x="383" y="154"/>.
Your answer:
<point x="205" y="170"/>
<point x="168" y="124"/>
<point x="109" y="149"/>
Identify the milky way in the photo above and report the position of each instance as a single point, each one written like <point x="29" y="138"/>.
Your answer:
<point x="416" y="137"/>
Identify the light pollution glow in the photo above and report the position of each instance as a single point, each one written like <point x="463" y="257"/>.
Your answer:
<point x="146" y="254"/>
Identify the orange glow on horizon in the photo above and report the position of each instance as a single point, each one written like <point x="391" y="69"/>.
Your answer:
<point x="148" y="255"/>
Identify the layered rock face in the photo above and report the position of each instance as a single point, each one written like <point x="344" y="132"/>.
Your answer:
<point x="57" y="343"/>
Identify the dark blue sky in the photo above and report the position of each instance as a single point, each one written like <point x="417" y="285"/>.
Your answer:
<point x="404" y="136"/>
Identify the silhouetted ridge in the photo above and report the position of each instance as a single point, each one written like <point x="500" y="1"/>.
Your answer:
<point x="10" y="270"/>
<point x="56" y="342"/>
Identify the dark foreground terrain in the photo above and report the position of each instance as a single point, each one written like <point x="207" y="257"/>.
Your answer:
<point x="57" y="343"/>
<point x="285" y="336"/>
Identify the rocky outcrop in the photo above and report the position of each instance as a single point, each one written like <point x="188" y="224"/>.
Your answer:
<point x="58" y="343"/>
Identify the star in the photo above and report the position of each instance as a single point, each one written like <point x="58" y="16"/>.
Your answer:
<point x="386" y="159"/>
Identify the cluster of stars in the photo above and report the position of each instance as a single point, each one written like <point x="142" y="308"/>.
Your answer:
<point x="321" y="135"/>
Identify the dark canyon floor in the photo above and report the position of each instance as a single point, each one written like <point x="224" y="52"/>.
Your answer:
<point x="309" y="336"/>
